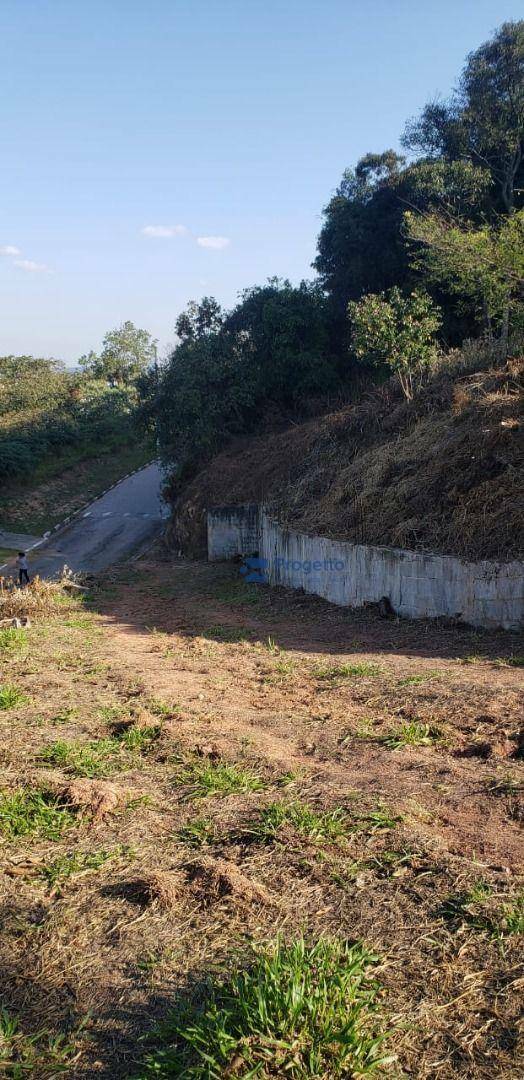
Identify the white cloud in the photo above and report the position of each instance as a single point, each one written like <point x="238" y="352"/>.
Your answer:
<point x="8" y="249"/>
<point x="215" y="242"/>
<point x="164" y="231"/>
<point x="30" y="266"/>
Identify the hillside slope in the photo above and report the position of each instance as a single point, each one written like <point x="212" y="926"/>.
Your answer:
<point x="443" y="472"/>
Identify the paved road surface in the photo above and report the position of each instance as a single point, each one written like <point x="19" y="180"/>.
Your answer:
<point x="120" y="522"/>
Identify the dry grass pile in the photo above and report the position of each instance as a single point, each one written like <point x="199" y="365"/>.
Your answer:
<point x="214" y="878"/>
<point x="37" y="600"/>
<point x="443" y="472"/>
<point x="93" y="797"/>
<point x="161" y="888"/>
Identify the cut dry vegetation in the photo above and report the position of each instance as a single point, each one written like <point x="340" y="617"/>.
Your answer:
<point x="289" y="845"/>
<point x="440" y="473"/>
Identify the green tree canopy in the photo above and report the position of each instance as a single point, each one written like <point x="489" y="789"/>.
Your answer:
<point x="361" y="248"/>
<point x="31" y="381"/>
<point x="270" y="353"/>
<point x="126" y="352"/>
<point x="484" y="118"/>
<point x="199" y="319"/>
<point x="483" y="265"/>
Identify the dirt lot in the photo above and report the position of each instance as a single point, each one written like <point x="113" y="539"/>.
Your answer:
<point x="166" y="716"/>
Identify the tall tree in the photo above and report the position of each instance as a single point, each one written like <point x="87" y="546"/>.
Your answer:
<point x="127" y="351"/>
<point x="361" y="248"/>
<point x="199" y="319"/>
<point x="484" y="118"/>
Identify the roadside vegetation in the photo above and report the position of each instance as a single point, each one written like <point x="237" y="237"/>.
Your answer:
<point x="77" y="427"/>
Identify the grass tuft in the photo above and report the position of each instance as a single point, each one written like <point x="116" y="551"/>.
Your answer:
<point x="377" y="820"/>
<point x="197" y="833"/>
<point x="98" y="757"/>
<point x="228" y="634"/>
<point x="65" y="866"/>
<point x="478" y="908"/>
<point x="41" y="1055"/>
<point x="101" y="757"/>
<point x="346" y="671"/>
<point x="13" y="638"/>
<point x="139" y="739"/>
<point x="11" y="696"/>
<point x="412" y="734"/>
<point x="218" y="778"/>
<point x="299" y="1012"/>
<point x="33" y="813"/>
<point x="315" y="825"/>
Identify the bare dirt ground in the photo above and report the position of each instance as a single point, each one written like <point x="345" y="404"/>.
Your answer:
<point x="169" y="713"/>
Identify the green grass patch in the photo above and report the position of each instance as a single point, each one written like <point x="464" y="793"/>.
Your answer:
<point x="417" y="680"/>
<point x="101" y="757"/>
<point x="346" y="671"/>
<point x="478" y="908"/>
<point x="411" y="734"/>
<point x="78" y="862"/>
<point x="11" y="696"/>
<point x="228" y="634"/>
<point x="98" y="757"/>
<point x="197" y="833"/>
<point x="41" y="1055"/>
<point x="300" y="1011"/>
<point x="81" y="622"/>
<point x="319" y="826"/>
<point x="139" y="739"/>
<point x="236" y="593"/>
<point x="376" y="820"/>
<point x="13" y="639"/>
<point x="510" y="661"/>
<point x="162" y="709"/>
<point x="218" y="778"/>
<point x="33" y="813"/>
<point x="64" y="716"/>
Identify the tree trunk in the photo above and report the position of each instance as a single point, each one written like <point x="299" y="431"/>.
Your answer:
<point x="504" y="332"/>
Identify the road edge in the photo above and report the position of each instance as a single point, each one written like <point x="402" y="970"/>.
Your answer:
<point x="81" y="509"/>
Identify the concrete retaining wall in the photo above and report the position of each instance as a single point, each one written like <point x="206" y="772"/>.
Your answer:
<point x="418" y="585"/>
<point x="232" y="530"/>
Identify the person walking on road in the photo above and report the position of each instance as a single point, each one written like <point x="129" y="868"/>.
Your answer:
<point x="23" y="569"/>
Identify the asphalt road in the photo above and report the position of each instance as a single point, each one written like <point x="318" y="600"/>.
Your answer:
<point x="120" y="522"/>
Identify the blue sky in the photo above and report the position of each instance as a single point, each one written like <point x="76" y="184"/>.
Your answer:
<point x="226" y="122"/>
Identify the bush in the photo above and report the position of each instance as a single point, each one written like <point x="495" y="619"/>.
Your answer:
<point x="396" y="332"/>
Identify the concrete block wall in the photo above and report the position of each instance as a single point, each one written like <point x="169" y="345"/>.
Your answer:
<point x="232" y="530"/>
<point x="419" y="585"/>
